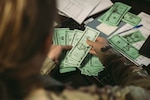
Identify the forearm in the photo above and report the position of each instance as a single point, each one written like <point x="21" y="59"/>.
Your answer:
<point x="123" y="71"/>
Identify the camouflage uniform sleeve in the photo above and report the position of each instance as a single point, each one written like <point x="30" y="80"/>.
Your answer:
<point x="124" y="72"/>
<point x="106" y="93"/>
<point x="133" y="83"/>
<point x="47" y="66"/>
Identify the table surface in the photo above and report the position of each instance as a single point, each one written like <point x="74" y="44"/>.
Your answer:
<point x="75" y="79"/>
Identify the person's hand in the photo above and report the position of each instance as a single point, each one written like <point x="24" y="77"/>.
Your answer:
<point x="97" y="45"/>
<point x="56" y="51"/>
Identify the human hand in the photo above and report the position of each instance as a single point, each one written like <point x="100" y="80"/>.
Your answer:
<point x="97" y="45"/>
<point x="56" y="51"/>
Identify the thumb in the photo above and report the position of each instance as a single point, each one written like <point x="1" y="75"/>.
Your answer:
<point x="66" y="47"/>
<point x="89" y="42"/>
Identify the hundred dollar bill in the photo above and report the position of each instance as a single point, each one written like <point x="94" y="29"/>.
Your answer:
<point x="131" y="19"/>
<point x="134" y="37"/>
<point x="124" y="47"/>
<point x="114" y="15"/>
<point x="81" y="48"/>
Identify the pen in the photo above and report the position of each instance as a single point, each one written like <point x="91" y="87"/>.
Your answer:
<point x="138" y="26"/>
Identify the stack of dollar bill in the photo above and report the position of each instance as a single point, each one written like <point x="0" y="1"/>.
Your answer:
<point x="124" y="43"/>
<point x="117" y="13"/>
<point x="78" y="56"/>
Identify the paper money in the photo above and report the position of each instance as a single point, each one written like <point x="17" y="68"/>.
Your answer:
<point x="66" y="69"/>
<point x="60" y="34"/>
<point x="77" y="36"/>
<point x="114" y="15"/>
<point x="134" y="37"/>
<point x="122" y="45"/>
<point x="70" y="36"/>
<point x="81" y="49"/>
<point x="131" y="19"/>
<point x="88" y="64"/>
<point x="91" y="66"/>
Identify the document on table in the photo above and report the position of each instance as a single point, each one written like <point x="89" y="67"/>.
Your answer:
<point x="77" y="9"/>
<point x="134" y="39"/>
<point x="103" y="5"/>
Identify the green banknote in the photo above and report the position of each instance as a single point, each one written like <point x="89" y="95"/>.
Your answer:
<point x="60" y="36"/>
<point x="131" y="19"/>
<point x="63" y="68"/>
<point x="67" y="69"/>
<point x="55" y="38"/>
<point x="134" y="37"/>
<point x="91" y="66"/>
<point x="77" y="36"/>
<point x="70" y="36"/>
<point x="122" y="45"/>
<point x="63" y="36"/>
<point x="79" y="58"/>
<point x="81" y="48"/>
<point x="114" y="15"/>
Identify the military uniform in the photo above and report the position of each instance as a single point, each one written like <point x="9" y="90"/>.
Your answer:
<point x="132" y="83"/>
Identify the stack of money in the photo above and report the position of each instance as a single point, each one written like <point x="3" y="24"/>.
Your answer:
<point x="125" y="43"/>
<point x="78" y="56"/>
<point x="117" y="13"/>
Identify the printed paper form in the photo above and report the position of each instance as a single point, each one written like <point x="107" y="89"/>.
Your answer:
<point x="77" y="9"/>
<point x="103" y="5"/>
<point x="145" y="30"/>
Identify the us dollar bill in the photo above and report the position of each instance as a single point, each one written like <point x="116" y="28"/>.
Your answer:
<point x="131" y="19"/>
<point x="134" y="37"/>
<point x="114" y="15"/>
<point x="124" y="47"/>
<point x="70" y="36"/>
<point x="81" y="48"/>
<point x="60" y="36"/>
<point x="78" y="35"/>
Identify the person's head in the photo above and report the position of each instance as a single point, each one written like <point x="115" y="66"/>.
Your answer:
<point x="25" y="26"/>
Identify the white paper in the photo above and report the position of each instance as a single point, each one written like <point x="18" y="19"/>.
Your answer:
<point x="77" y="9"/>
<point x="145" y="30"/>
<point x="106" y="29"/>
<point x="103" y="5"/>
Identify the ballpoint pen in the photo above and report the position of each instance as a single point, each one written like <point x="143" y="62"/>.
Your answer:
<point x="135" y="27"/>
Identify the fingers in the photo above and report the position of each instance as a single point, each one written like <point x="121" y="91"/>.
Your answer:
<point x="90" y="43"/>
<point x="101" y="40"/>
<point x="92" y="52"/>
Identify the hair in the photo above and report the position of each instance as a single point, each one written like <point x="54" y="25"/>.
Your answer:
<point x="24" y="27"/>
